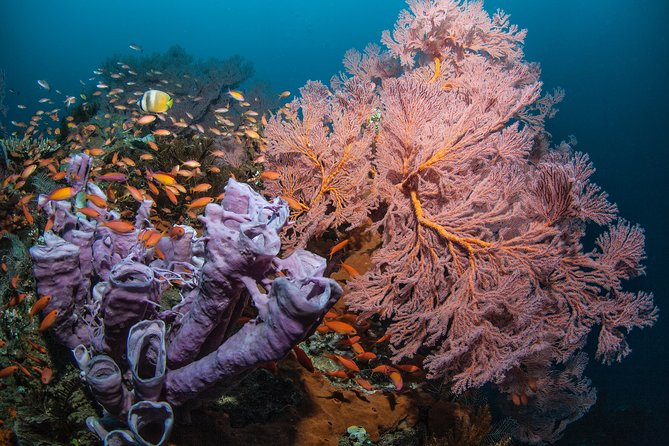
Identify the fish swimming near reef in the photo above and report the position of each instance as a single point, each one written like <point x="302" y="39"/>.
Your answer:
<point x="44" y="84"/>
<point x="155" y="101"/>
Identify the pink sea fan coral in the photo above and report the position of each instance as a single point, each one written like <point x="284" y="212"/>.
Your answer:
<point x="481" y="262"/>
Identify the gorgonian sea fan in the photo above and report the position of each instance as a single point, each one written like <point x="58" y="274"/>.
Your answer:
<point x="481" y="262"/>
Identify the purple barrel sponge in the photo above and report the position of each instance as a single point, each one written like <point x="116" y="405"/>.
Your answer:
<point x="107" y="287"/>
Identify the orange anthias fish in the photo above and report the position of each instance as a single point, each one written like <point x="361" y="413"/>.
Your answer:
<point x="200" y="202"/>
<point x="204" y="187"/>
<point x="41" y="303"/>
<point x="48" y="320"/>
<point x="135" y="193"/>
<point x="340" y="327"/>
<point x="338" y="247"/>
<point x="270" y="175"/>
<point x="98" y="201"/>
<point x="8" y="371"/>
<point x="176" y="233"/>
<point x="62" y="193"/>
<point x="346" y="362"/>
<point x="396" y="378"/>
<point x="120" y="226"/>
<point x="409" y="368"/>
<point x="303" y="359"/>
<point x="337" y="374"/>
<point x="164" y="178"/>
<point x="364" y="384"/>
<point x="350" y="270"/>
<point x="89" y="212"/>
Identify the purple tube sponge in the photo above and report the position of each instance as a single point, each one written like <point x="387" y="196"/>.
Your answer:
<point x="107" y="288"/>
<point x="57" y="271"/>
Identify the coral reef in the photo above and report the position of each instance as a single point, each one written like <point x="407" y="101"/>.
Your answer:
<point x="105" y="280"/>
<point x="3" y="107"/>
<point x="439" y="140"/>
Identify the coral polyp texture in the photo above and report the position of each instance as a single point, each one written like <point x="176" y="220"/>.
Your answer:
<point x="106" y="278"/>
<point x="439" y="141"/>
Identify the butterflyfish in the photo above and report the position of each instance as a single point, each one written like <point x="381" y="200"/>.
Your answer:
<point x="155" y="101"/>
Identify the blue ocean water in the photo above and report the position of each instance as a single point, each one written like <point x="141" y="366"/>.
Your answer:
<point x="611" y="57"/>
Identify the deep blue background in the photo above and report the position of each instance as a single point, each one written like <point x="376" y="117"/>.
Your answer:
<point x="611" y="57"/>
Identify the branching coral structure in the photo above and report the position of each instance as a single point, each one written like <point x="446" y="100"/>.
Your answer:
<point x="482" y="265"/>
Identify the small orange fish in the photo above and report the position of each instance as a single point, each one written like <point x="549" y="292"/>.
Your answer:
<point x="364" y="384"/>
<point x="28" y="216"/>
<point x="337" y="374"/>
<point x="410" y="368"/>
<point x="48" y="320"/>
<point x="135" y="193"/>
<point x="204" y="187"/>
<point x="159" y="253"/>
<point x="383" y="338"/>
<point x="15" y="300"/>
<point x="2" y="343"/>
<point x="36" y="346"/>
<point x="152" y="144"/>
<point x="112" y="176"/>
<point x="200" y="202"/>
<point x="46" y="375"/>
<point x="396" y="378"/>
<point x="346" y="362"/>
<point x="350" y="270"/>
<point x="28" y="171"/>
<point x="192" y="164"/>
<point x="26" y="199"/>
<point x="89" y="212"/>
<point x="41" y="303"/>
<point x="252" y="134"/>
<point x="338" y="247"/>
<point x="270" y="175"/>
<point x="516" y="399"/>
<point x="23" y="370"/>
<point x="176" y="233"/>
<point x="236" y="95"/>
<point x="351" y="340"/>
<point x="58" y="175"/>
<point x="340" y="327"/>
<point x="365" y="356"/>
<point x="164" y="179"/>
<point x="385" y="369"/>
<point x="146" y="119"/>
<point x="153" y="188"/>
<point x="153" y="239"/>
<point x="357" y="348"/>
<point x="98" y="201"/>
<point x="120" y="226"/>
<point x="162" y="132"/>
<point x="171" y="196"/>
<point x="49" y="224"/>
<point x="303" y="359"/>
<point x="532" y="384"/>
<point x="14" y="281"/>
<point x="8" y="371"/>
<point x="294" y="204"/>
<point x="62" y="193"/>
<point x="96" y="151"/>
